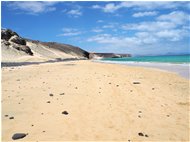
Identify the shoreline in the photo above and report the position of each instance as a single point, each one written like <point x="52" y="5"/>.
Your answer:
<point x="179" y="69"/>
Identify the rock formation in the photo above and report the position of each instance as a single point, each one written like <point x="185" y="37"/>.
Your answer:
<point x="17" y="49"/>
<point x="13" y="40"/>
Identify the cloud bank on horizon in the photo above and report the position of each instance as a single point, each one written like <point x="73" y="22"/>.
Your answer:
<point x="122" y="27"/>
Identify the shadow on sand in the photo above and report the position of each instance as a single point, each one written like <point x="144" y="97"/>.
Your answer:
<point x="13" y="64"/>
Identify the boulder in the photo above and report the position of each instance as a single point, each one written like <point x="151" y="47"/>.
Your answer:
<point x="7" y="34"/>
<point x="17" y="40"/>
<point x="19" y="136"/>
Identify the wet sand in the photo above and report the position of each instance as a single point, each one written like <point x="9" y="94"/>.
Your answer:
<point x="83" y="100"/>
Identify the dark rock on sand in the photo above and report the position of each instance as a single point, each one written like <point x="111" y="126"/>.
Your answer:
<point x="62" y="94"/>
<point x="65" y="112"/>
<point x="11" y="117"/>
<point x="136" y="83"/>
<point x="18" y="136"/>
<point x="51" y="95"/>
<point x="146" y="135"/>
<point x="48" y="102"/>
<point x="6" y="115"/>
<point x="140" y="134"/>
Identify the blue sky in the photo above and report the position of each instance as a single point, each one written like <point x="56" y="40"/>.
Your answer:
<point x="139" y="28"/>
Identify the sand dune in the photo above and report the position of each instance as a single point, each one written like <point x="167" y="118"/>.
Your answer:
<point x="103" y="102"/>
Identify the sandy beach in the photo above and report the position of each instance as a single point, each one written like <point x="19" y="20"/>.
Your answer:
<point x="85" y="100"/>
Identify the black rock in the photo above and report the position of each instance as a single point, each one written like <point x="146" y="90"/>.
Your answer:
<point x="6" y="115"/>
<point x="23" y="48"/>
<point x="136" y="83"/>
<point x="65" y="112"/>
<point x="146" y="135"/>
<point x="18" y="40"/>
<point x="140" y="134"/>
<point x="62" y="94"/>
<point x="18" y="136"/>
<point x="11" y="117"/>
<point x="48" y="102"/>
<point x="7" y="34"/>
<point x="51" y="95"/>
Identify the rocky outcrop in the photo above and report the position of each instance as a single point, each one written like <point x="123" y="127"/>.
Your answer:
<point x="17" y="40"/>
<point x="13" y="40"/>
<point x="16" y="48"/>
<point x="107" y="55"/>
<point x="6" y="34"/>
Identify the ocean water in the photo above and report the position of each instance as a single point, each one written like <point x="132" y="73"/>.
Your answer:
<point x="177" y="59"/>
<point x="178" y="64"/>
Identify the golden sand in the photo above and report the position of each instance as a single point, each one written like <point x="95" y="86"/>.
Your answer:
<point x="102" y="102"/>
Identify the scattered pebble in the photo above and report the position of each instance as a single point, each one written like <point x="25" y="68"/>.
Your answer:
<point x="62" y="94"/>
<point x="48" y="102"/>
<point x="6" y="115"/>
<point x="168" y="115"/>
<point x="65" y="112"/>
<point x="51" y="95"/>
<point x="140" y="111"/>
<point x="18" y="136"/>
<point x="11" y="117"/>
<point x="76" y="87"/>
<point x="136" y="83"/>
<point x="140" y="134"/>
<point x="117" y="85"/>
<point x="153" y="88"/>
<point x="42" y="113"/>
<point x="32" y="125"/>
<point x="139" y="116"/>
<point x="44" y="131"/>
<point x="110" y="83"/>
<point x="131" y="90"/>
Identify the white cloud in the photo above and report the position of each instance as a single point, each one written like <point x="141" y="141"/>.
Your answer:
<point x="140" y="5"/>
<point x="97" y="30"/>
<point x="177" y="17"/>
<point x="99" y="21"/>
<point x="170" y="27"/>
<point x="114" y="40"/>
<point x="33" y="7"/>
<point x="142" y="14"/>
<point x="70" y="32"/>
<point x="75" y="12"/>
<point x="172" y="35"/>
<point x="149" y="26"/>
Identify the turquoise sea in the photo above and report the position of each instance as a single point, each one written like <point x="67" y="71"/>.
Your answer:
<point x="175" y="59"/>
